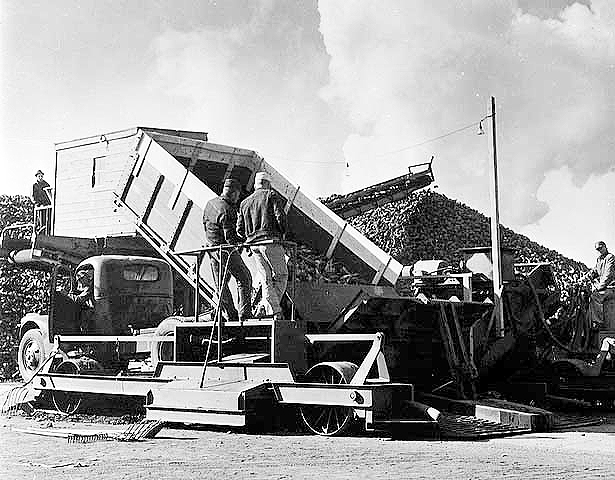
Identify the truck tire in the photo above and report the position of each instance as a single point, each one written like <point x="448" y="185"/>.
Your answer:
<point x="164" y="351"/>
<point x="31" y="353"/>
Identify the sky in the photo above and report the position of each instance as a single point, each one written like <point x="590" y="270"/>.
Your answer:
<point x="338" y="95"/>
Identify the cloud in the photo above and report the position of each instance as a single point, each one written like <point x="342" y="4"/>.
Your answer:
<point x="255" y="85"/>
<point x="408" y="71"/>
<point x="563" y="227"/>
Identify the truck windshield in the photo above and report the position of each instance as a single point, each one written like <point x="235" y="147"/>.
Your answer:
<point x="141" y="273"/>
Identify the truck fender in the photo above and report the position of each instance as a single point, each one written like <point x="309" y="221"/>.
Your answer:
<point x="34" y="320"/>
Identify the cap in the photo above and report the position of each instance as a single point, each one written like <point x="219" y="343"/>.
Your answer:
<point x="261" y="177"/>
<point x="232" y="183"/>
<point x="85" y="272"/>
<point x="39" y="172"/>
<point x="600" y="244"/>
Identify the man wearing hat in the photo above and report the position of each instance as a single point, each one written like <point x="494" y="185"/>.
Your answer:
<point x="262" y="219"/>
<point x="40" y="195"/>
<point x="219" y="220"/>
<point x="39" y="192"/>
<point x="602" y="278"/>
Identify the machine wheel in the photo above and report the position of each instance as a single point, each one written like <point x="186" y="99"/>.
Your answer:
<point x="164" y="351"/>
<point x="329" y="420"/>
<point x="67" y="402"/>
<point x="31" y="353"/>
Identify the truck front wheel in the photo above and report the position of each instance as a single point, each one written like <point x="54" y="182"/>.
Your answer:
<point x="31" y="353"/>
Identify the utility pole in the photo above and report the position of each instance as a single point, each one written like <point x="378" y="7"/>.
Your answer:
<point x="496" y="250"/>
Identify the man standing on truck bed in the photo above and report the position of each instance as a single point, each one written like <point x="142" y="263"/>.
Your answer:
<point x="219" y="220"/>
<point x="42" y="202"/>
<point x="262" y="219"/>
<point x="39" y="190"/>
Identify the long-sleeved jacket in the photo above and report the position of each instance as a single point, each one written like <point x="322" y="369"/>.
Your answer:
<point x="603" y="274"/>
<point x="220" y="220"/>
<point x="261" y="217"/>
<point x="39" y="195"/>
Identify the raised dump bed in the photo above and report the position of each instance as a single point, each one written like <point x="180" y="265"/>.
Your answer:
<point x="155" y="183"/>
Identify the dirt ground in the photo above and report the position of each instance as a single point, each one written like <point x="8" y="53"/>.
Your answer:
<point x="191" y="453"/>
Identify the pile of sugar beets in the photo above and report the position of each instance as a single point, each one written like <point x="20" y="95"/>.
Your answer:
<point x="427" y="225"/>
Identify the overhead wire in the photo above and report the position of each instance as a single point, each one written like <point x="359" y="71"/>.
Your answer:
<point x="439" y="137"/>
<point x="392" y="152"/>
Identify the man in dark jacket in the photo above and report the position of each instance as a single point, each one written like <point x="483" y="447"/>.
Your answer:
<point x="39" y="190"/>
<point x="219" y="220"/>
<point x="262" y="219"/>
<point x="42" y="202"/>
<point x="84" y="297"/>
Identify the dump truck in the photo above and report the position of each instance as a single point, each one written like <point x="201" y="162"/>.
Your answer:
<point x="130" y="295"/>
<point x="343" y="351"/>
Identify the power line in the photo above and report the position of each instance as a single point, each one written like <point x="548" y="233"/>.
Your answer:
<point x="307" y="161"/>
<point x="409" y="147"/>
<point x="439" y="137"/>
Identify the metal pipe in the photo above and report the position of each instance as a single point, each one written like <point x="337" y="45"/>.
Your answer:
<point x="219" y="315"/>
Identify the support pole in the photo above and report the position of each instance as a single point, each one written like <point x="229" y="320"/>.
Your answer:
<point x="197" y="281"/>
<point x="495" y="234"/>
<point x="221" y="278"/>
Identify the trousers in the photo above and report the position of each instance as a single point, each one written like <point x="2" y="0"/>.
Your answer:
<point x="602" y="308"/>
<point x="232" y="264"/>
<point x="270" y="264"/>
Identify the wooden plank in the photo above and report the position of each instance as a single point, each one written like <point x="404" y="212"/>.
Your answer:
<point x="152" y="199"/>
<point x="95" y="140"/>
<point x="335" y="241"/>
<point x="181" y="224"/>
<point x="178" y="188"/>
<point x="291" y="200"/>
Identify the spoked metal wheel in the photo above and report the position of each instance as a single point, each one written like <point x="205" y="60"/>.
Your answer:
<point x="329" y="420"/>
<point x="67" y="402"/>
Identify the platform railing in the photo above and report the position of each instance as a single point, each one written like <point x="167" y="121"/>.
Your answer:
<point x="200" y="254"/>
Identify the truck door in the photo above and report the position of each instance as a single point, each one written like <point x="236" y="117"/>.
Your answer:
<point x="63" y="311"/>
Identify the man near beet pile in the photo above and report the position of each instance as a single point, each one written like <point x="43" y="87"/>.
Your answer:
<point x="262" y="220"/>
<point x="219" y="220"/>
<point x="602" y="278"/>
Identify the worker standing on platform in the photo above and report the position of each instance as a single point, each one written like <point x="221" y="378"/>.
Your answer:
<point x="40" y="190"/>
<point x="602" y="278"/>
<point x="219" y="220"/>
<point x="262" y="219"/>
<point x="42" y="201"/>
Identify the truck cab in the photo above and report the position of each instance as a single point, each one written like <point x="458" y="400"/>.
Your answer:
<point x="126" y="295"/>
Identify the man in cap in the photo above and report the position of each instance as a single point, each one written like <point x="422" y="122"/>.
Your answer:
<point x="219" y="220"/>
<point x="262" y="219"/>
<point x="602" y="278"/>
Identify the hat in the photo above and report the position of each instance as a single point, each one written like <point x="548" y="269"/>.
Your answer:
<point x="232" y="183"/>
<point x="39" y="172"/>
<point x="84" y="272"/>
<point x="600" y="244"/>
<point x="261" y="177"/>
